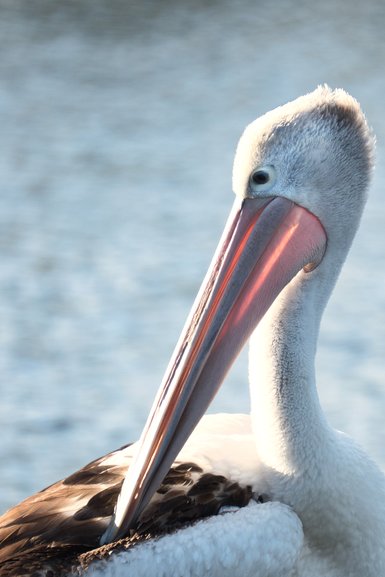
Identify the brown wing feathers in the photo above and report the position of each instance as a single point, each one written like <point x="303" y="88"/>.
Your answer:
<point x="61" y="526"/>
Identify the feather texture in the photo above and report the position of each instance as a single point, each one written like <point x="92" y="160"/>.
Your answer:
<point x="59" y="528"/>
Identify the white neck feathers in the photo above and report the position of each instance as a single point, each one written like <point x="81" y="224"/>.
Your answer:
<point x="337" y="491"/>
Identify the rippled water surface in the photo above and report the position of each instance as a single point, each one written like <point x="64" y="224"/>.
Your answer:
<point x="118" y="127"/>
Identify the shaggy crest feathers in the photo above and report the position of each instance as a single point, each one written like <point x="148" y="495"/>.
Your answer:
<point x="300" y="131"/>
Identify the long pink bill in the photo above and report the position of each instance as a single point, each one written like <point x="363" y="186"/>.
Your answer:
<point x="266" y="242"/>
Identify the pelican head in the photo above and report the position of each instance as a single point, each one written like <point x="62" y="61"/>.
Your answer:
<point x="316" y="151"/>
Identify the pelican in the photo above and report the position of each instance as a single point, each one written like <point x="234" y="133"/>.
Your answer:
<point x="276" y="493"/>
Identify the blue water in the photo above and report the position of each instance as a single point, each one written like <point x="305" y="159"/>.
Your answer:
<point x="118" y="128"/>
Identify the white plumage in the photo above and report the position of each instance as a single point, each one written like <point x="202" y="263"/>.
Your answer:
<point x="340" y="500"/>
<point x="217" y="547"/>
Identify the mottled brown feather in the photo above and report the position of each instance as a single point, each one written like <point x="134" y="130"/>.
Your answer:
<point x="58" y="529"/>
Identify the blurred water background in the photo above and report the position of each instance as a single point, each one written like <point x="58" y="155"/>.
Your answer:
<point x="118" y="124"/>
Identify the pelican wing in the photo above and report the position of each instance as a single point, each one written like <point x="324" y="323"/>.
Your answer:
<point x="60" y="527"/>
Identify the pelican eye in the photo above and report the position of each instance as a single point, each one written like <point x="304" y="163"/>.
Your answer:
<point x="262" y="178"/>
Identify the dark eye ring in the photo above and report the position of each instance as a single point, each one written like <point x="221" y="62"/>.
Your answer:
<point x="260" y="177"/>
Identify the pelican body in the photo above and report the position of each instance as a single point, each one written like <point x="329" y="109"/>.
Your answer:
<point x="279" y="492"/>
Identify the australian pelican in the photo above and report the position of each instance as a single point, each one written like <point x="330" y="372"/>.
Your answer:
<point x="276" y="493"/>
